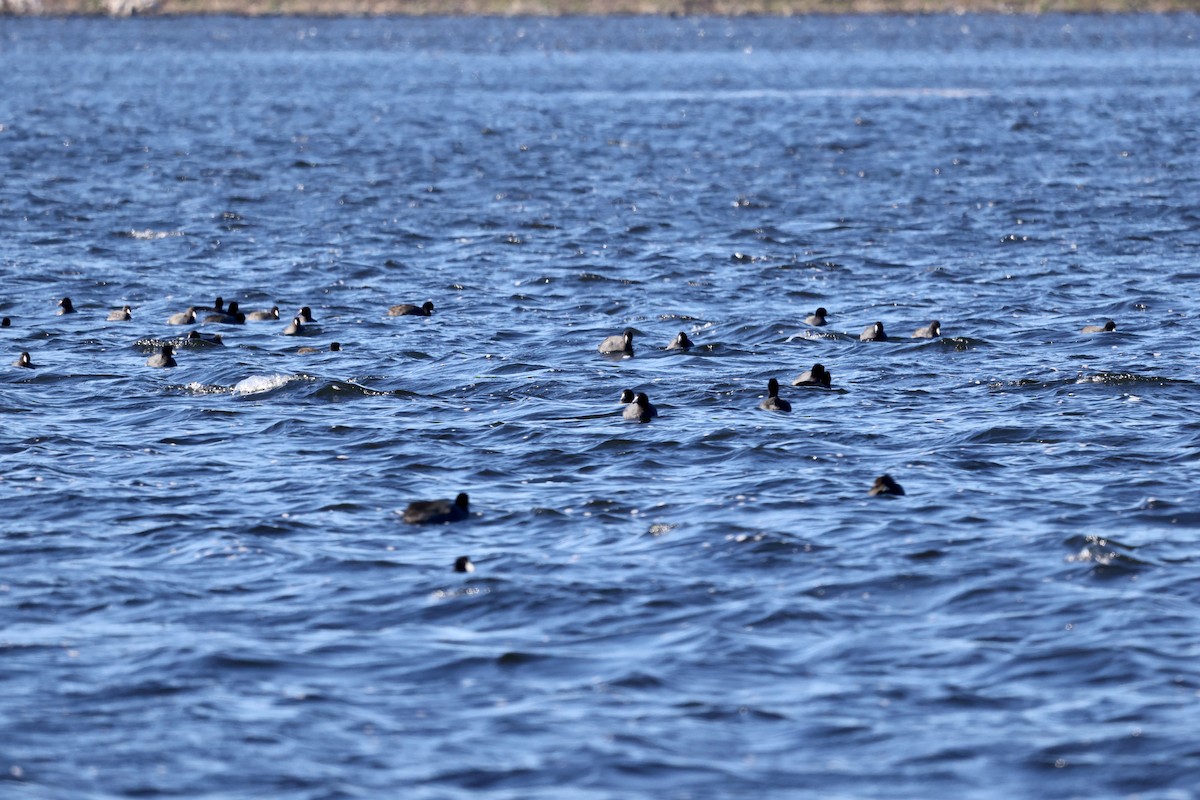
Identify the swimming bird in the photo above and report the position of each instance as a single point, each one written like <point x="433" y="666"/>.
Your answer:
<point x="65" y="307"/>
<point x="183" y="318"/>
<point x="294" y="328"/>
<point x="409" y="310"/>
<point x="618" y="343"/>
<point x="817" y="376"/>
<point x="121" y="315"/>
<point x="263" y="316"/>
<point x="333" y="348"/>
<point x="884" y="484"/>
<point x="305" y="315"/>
<point x="873" y="333"/>
<point x="434" y="512"/>
<point x="1105" y="328"/>
<point x="627" y="396"/>
<point x="817" y="318"/>
<point x="24" y="362"/>
<point x="231" y="316"/>
<point x="680" y="342"/>
<point x="463" y="564"/>
<point x="640" y="409"/>
<point x="774" y="402"/>
<point x="162" y="358"/>
<point x="930" y="331"/>
<point x="198" y="339"/>
<point x="6" y="322"/>
<point x="218" y="306"/>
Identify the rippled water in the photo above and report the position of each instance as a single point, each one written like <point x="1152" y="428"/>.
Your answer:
<point x="206" y="590"/>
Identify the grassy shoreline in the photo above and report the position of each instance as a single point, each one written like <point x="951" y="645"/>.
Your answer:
<point x="579" y="7"/>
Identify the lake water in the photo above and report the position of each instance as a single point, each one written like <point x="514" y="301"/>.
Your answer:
<point x="206" y="590"/>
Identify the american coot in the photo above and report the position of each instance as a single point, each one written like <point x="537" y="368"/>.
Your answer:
<point x="6" y="322"/>
<point x="263" y="316"/>
<point x="463" y="564"/>
<point x="305" y="315"/>
<point x="333" y="348"/>
<point x="433" y="512"/>
<point x="619" y="343"/>
<point x="627" y="396"/>
<point x="1105" y="328"/>
<point x="930" y="331"/>
<point x="774" y="402"/>
<point x="65" y="307"/>
<point x="294" y="328"/>
<point x="817" y="318"/>
<point x="817" y="376"/>
<point x="218" y="306"/>
<point x="886" y="486"/>
<point x="640" y="409"/>
<point x="23" y="361"/>
<point x="873" y="333"/>
<point x="410" y="310"/>
<point x="231" y="316"/>
<point x="198" y="339"/>
<point x="680" y="342"/>
<point x="162" y="358"/>
<point x="120" y="315"/>
<point x="183" y="318"/>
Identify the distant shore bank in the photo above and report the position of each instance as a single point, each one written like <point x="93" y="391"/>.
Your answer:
<point x="577" y="7"/>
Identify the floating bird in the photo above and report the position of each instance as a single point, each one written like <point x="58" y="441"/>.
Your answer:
<point x="409" y="310"/>
<point x="873" y="333"/>
<point x="6" y="322"/>
<point x="183" y="318"/>
<point x="885" y="485"/>
<point x="333" y="348"/>
<point x="294" y="328"/>
<point x="231" y="316"/>
<point x="1105" y="328"/>
<point x="306" y="316"/>
<point x="774" y="402"/>
<point x="218" y="306"/>
<point x="627" y="396"/>
<point x="24" y="362"/>
<point x="680" y="342"/>
<point x="198" y="339"/>
<point x="121" y="315"/>
<point x="263" y="316"/>
<point x="434" y="512"/>
<point x="640" y="409"/>
<point x="463" y="564"/>
<point x="619" y="343"/>
<point x="930" y="331"/>
<point x="162" y="358"/>
<point x="65" y="307"/>
<point x="817" y="318"/>
<point x="817" y="376"/>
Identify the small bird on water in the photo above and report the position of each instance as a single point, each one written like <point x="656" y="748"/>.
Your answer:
<point x="873" y="333"/>
<point x="120" y="315"/>
<point x="463" y="564"/>
<point x="885" y="485"/>
<point x="640" y="409"/>
<point x="680" y="342"/>
<point x="817" y="318"/>
<point x="410" y="310"/>
<point x="24" y="362"/>
<point x="817" y="376"/>
<point x="618" y="343"/>
<point x="931" y="331"/>
<point x="774" y="402"/>
<point x="435" y="512"/>
<point x="163" y="358"/>
<point x="1105" y="328"/>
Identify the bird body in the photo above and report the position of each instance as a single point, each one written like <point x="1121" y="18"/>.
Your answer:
<point x="618" y="343"/>
<point x="435" y="512"/>
<point x="163" y="358"/>
<point x="930" y="331"/>
<point x="873" y="333"/>
<point x="817" y="376"/>
<point x="1107" y="327"/>
<point x="640" y="409"/>
<point x="774" y="402"/>
<point x="410" y="310"/>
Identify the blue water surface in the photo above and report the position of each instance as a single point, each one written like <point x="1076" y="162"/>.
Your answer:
<point x="206" y="589"/>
